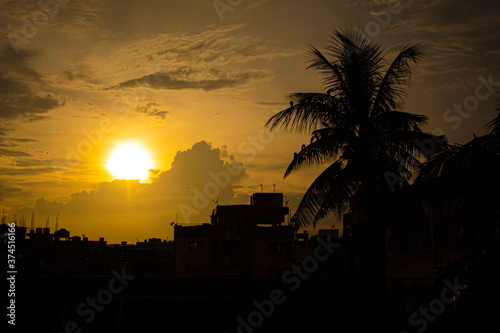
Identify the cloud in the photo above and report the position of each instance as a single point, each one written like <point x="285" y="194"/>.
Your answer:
<point x="21" y="92"/>
<point x="152" y="109"/>
<point x="7" y="152"/>
<point x="191" y="78"/>
<point x="17" y="100"/>
<point x="213" y="58"/>
<point x="280" y="104"/>
<point x="461" y="35"/>
<point x="125" y="209"/>
<point x="81" y="73"/>
<point x="210" y="47"/>
<point x="6" y="191"/>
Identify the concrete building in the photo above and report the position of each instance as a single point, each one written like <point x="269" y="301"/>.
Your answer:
<point x="241" y="240"/>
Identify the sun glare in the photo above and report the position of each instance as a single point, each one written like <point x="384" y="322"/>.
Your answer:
<point x="130" y="161"/>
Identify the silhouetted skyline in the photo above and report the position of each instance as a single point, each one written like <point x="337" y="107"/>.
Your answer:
<point x="262" y="166"/>
<point x="193" y="83"/>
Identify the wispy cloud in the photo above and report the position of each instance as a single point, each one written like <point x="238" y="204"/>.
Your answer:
<point x="191" y="78"/>
<point x="7" y="152"/>
<point x="207" y="59"/>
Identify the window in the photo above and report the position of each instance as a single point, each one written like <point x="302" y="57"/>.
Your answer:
<point x="230" y="222"/>
<point x="195" y="246"/>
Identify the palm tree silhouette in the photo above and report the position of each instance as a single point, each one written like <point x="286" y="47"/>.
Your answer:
<point x="466" y="178"/>
<point x="494" y="125"/>
<point x="358" y="128"/>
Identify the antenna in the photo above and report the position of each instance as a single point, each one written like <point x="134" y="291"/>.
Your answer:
<point x="3" y="217"/>
<point x="261" y="188"/>
<point x="274" y="188"/>
<point x="57" y="223"/>
<point x="32" y="221"/>
<point x="47" y="221"/>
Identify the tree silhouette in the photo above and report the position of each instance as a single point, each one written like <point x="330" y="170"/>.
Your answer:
<point x="466" y="178"/>
<point x="358" y="128"/>
<point x="494" y="125"/>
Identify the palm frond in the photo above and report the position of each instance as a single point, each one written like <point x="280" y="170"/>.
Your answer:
<point x="391" y="89"/>
<point x="334" y="78"/>
<point x="326" y="146"/>
<point x="494" y="125"/>
<point x="330" y="192"/>
<point x="400" y="120"/>
<point x="307" y="113"/>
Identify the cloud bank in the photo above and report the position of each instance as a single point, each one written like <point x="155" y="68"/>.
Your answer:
<point x="199" y="177"/>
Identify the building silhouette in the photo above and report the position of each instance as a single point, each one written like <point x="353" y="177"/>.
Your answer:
<point x="240" y="241"/>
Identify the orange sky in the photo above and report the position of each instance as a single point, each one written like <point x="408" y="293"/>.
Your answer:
<point x="194" y="86"/>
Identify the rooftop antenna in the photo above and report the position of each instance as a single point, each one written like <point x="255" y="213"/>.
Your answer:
<point x="32" y="221"/>
<point x="47" y="221"/>
<point x="57" y="223"/>
<point x="261" y="188"/>
<point x="274" y="188"/>
<point x="4" y="217"/>
<point x="15" y="219"/>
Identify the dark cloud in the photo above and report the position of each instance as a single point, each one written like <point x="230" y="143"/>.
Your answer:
<point x="280" y="104"/>
<point x="21" y="140"/>
<point x="7" y="191"/>
<point x="18" y="100"/>
<point x="19" y="64"/>
<point x="7" y="152"/>
<point x="21" y="88"/>
<point x="14" y="171"/>
<point x="192" y="78"/>
<point x="152" y="109"/>
<point x="82" y="73"/>
<point x="36" y="162"/>
<point x="13" y="142"/>
<point x="463" y="37"/>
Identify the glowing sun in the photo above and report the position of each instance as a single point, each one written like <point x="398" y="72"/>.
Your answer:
<point x="130" y="161"/>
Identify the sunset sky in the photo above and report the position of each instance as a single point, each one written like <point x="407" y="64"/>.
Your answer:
<point x="193" y="83"/>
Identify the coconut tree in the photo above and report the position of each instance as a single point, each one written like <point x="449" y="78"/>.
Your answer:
<point x="494" y="125"/>
<point x="358" y="129"/>
<point x="465" y="178"/>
